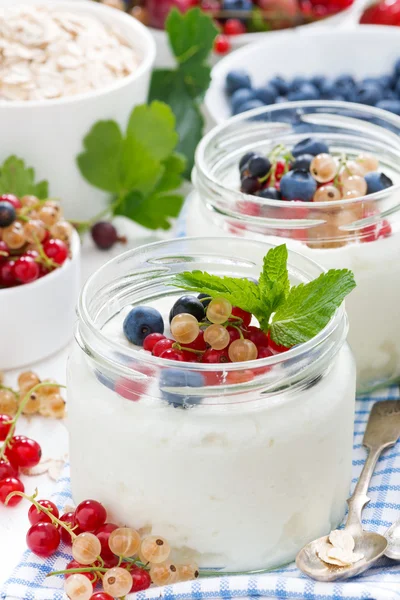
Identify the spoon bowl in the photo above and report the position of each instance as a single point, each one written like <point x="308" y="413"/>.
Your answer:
<point x="393" y="537"/>
<point x="371" y="545"/>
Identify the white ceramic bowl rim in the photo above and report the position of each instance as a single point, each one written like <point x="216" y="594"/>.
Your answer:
<point x="110" y="14"/>
<point x="75" y="245"/>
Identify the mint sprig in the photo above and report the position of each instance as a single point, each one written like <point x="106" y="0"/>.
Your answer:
<point x="292" y="315"/>
<point x="141" y="168"/>
<point x="191" y="37"/>
<point x="16" y="178"/>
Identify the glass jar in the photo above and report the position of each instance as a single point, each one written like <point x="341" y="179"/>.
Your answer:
<point x="361" y="234"/>
<point x="237" y="464"/>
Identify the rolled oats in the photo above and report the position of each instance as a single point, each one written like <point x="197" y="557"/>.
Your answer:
<point x="47" y="53"/>
<point x="339" y="549"/>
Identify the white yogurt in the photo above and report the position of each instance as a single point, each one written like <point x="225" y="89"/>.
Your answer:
<point x="372" y="308"/>
<point x="238" y="486"/>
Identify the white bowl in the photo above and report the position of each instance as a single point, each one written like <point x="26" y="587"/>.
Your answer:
<point x="166" y="60"/>
<point x="315" y="51"/>
<point x="48" y="135"/>
<point x="37" y="319"/>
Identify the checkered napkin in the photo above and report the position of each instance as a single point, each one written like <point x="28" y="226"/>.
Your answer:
<point x="382" y="582"/>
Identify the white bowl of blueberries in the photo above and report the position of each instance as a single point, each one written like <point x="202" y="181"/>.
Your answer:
<point x="359" y="65"/>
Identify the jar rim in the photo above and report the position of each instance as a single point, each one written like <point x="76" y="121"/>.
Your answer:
<point x="94" y="337"/>
<point x="213" y="184"/>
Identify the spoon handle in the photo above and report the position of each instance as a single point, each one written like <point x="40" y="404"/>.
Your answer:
<point x="383" y="430"/>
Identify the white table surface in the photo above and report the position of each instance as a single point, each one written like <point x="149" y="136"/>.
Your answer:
<point x="50" y="433"/>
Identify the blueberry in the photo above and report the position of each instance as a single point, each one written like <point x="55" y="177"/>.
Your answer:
<point x="376" y="182"/>
<point x="245" y="159"/>
<point x="328" y="90"/>
<point x="241" y="96"/>
<point x="371" y="81"/>
<point x="318" y="80"/>
<point x="302" y="162"/>
<point x="281" y="99"/>
<point x="236" y="80"/>
<point x="388" y="94"/>
<point x="390" y="105"/>
<point x="250" y="105"/>
<point x="298" y="185"/>
<point x="397" y="68"/>
<point x="205" y="299"/>
<point x="176" y="378"/>
<point x="267" y="94"/>
<point x="140" y="322"/>
<point x="386" y="81"/>
<point x="190" y="305"/>
<point x="271" y="193"/>
<point x="7" y="214"/>
<point x="107" y="381"/>
<point x="280" y="84"/>
<point x="250" y="185"/>
<point x="310" y="146"/>
<point x="344" y="81"/>
<point x="307" y="91"/>
<point x="259" y="166"/>
<point x="369" y="94"/>
<point x="296" y="83"/>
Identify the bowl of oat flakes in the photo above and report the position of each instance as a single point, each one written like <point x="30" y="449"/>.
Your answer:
<point x="64" y="66"/>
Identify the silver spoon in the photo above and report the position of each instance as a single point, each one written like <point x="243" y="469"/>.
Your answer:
<point x="393" y="539"/>
<point x="383" y="430"/>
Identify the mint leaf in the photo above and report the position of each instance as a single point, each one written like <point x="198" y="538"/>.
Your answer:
<point x="16" y="178"/>
<point x="100" y="163"/>
<point x="191" y="36"/>
<point x="240" y="292"/>
<point x="274" y="279"/>
<point x="154" y="126"/>
<point x="141" y="168"/>
<point x="309" y="307"/>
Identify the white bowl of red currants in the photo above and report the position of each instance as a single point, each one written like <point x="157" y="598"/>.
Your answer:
<point x="248" y="80"/>
<point x="39" y="279"/>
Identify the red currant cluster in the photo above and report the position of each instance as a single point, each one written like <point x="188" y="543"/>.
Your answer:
<point x="34" y="240"/>
<point x="223" y="335"/>
<point x="117" y="558"/>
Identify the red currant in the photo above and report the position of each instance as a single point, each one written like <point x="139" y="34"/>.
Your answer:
<point x="7" y="470"/>
<point x="5" y="427"/>
<point x="172" y="354"/>
<point x="90" y="515"/>
<point x="129" y="389"/>
<point x="199" y="343"/>
<point x="256" y="335"/>
<point x="222" y="44"/>
<point x="7" y="275"/>
<point x="264" y="352"/>
<point x="9" y="485"/>
<point x="56" y="250"/>
<point x="276" y="348"/>
<point x="161" y="346"/>
<point x="24" y="452"/>
<point x="101" y="596"/>
<point x="103" y="534"/>
<point x="233" y="333"/>
<point x="280" y="170"/>
<point x="190" y="356"/>
<point x="141" y="579"/>
<point x="242" y="314"/>
<point x="234" y="27"/>
<point x="69" y="519"/>
<point x="32" y="253"/>
<point x="26" y="269"/>
<point x="16" y="203"/>
<point x="37" y="516"/>
<point x="75" y="565"/>
<point x="151" y="340"/>
<point x="43" y="539"/>
<point x="215" y="356"/>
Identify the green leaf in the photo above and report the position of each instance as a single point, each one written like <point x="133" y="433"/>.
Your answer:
<point x="240" y="292"/>
<point x="100" y="163"/>
<point x="274" y="280"/>
<point x="309" y="307"/>
<point x="197" y="79"/>
<point x="191" y="35"/>
<point x="154" y="211"/>
<point x="173" y="169"/>
<point x="154" y="126"/>
<point x="140" y="171"/>
<point x="16" y="178"/>
<point x="171" y="85"/>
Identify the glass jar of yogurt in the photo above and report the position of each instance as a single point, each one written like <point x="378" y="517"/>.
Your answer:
<point x="237" y="465"/>
<point x="366" y="236"/>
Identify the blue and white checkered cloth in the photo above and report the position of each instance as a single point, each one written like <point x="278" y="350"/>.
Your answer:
<point x="382" y="582"/>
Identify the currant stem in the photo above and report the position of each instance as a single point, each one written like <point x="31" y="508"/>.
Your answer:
<point x="138" y="563"/>
<point x="239" y="330"/>
<point x="19" y="412"/>
<point x="4" y="387"/>
<point x="177" y="346"/>
<point x="82" y="570"/>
